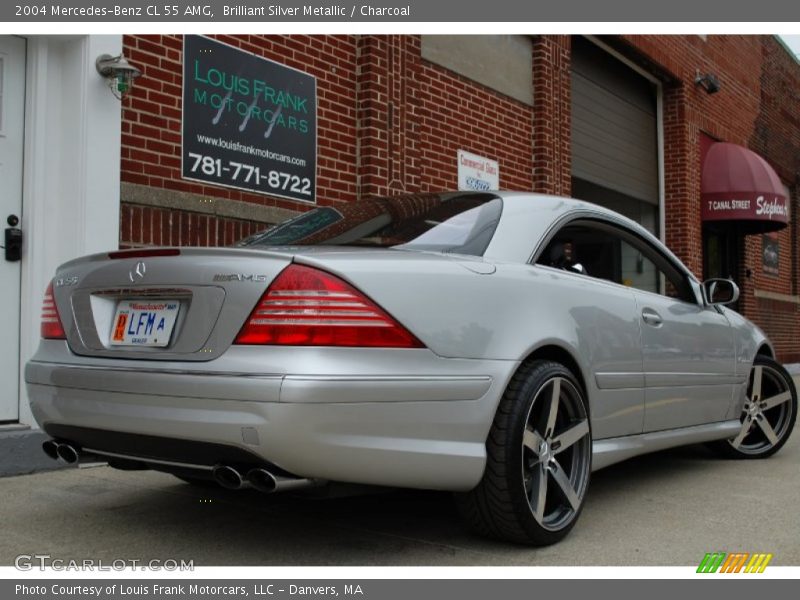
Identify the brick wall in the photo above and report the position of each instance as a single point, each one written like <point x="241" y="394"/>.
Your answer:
<point x="455" y="113"/>
<point x="688" y="110"/>
<point x="552" y="125"/>
<point x="776" y="136"/>
<point x="390" y="122"/>
<point x="151" y="124"/>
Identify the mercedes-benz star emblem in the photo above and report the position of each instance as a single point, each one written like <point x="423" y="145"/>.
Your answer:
<point x="137" y="272"/>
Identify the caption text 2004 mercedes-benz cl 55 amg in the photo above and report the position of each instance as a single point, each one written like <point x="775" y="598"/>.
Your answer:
<point x="498" y="345"/>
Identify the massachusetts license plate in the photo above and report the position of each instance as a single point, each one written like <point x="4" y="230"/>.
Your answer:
<point x="144" y="322"/>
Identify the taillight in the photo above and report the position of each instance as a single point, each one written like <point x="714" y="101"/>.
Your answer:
<point x="308" y="307"/>
<point x="52" y="329"/>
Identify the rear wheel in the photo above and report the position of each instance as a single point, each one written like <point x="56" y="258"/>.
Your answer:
<point x="768" y="415"/>
<point x="539" y="455"/>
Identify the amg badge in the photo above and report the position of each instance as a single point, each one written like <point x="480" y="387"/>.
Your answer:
<point x="240" y="277"/>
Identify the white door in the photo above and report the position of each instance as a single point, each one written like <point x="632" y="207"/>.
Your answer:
<point x="12" y="116"/>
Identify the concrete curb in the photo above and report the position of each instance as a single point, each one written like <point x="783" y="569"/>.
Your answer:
<point x="21" y="453"/>
<point x="793" y="368"/>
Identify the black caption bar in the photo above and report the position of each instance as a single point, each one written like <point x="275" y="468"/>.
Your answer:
<point x="779" y="11"/>
<point x="386" y="589"/>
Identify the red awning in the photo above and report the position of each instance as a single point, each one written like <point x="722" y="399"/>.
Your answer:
<point x="740" y="187"/>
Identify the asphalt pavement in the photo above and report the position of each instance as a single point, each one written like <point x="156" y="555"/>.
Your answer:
<point x="668" y="508"/>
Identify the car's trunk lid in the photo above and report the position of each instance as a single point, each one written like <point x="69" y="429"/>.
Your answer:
<point x="203" y="294"/>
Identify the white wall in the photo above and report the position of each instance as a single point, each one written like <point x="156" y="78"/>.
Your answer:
<point x="70" y="201"/>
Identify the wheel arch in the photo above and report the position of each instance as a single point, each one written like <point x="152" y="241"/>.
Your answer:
<point x="561" y="355"/>
<point x="765" y="350"/>
<point x="500" y="505"/>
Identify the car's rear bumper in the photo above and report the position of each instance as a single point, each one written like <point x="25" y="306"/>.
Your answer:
<point x="424" y="431"/>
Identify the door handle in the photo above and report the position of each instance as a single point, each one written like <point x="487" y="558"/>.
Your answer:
<point x="651" y="317"/>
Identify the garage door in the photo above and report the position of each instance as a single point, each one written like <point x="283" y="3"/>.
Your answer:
<point x="614" y="124"/>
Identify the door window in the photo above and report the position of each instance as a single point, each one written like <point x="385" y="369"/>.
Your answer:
<point x="601" y="250"/>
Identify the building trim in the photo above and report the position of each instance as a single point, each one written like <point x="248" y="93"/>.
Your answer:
<point x="70" y="180"/>
<point x="776" y="296"/>
<point x="135" y="193"/>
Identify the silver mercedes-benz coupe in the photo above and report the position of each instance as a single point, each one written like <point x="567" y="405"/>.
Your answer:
<point x="498" y="345"/>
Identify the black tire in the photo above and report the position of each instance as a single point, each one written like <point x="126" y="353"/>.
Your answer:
<point x="505" y="504"/>
<point x="765" y="426"/>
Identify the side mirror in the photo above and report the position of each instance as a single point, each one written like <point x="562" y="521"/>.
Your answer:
<point x="720" y="291"/>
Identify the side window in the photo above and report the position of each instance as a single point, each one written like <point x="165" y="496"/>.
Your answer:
<point x="600" y="250"/>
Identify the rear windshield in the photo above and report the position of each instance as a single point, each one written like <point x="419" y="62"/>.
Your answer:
<point x="459" y="223"/>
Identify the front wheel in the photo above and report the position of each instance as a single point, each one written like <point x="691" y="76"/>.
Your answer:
<point x="539" y="456"/>
<point x="768" y="415"/>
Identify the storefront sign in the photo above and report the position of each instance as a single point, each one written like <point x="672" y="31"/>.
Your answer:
<point x="770" y="257"/>
<point x="725" y="207"/>
<point x="248" y="122"/>
<point x="740" y="186"/>
<point x="477" y="173"/>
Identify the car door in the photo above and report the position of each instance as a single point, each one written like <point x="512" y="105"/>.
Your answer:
<point x="687" y="348"/>
<point x="607" y="332"/>
<point x="688" y="354"/>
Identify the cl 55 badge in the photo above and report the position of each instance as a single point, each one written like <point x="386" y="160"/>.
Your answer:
<point x="62" y="281"/>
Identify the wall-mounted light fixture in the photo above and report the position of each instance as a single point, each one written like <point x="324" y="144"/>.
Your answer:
<point x="708" y="82"/>
<point x="118" y="72"/>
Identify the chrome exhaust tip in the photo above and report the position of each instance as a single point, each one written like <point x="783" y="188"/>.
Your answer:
<point x="262" y="480"/>
<point x="67" y="454"/>
<point x="50" y="447"/>
<point x="227" y="477"/>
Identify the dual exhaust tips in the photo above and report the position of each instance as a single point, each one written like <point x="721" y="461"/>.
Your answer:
<point x="259" y="479"/>
<point x="226" y="476"/>
<point x="61" y="451"/>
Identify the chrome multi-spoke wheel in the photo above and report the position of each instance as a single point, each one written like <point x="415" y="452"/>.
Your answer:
<point x="769" y="412"/>
<point x="539" y="457"/>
